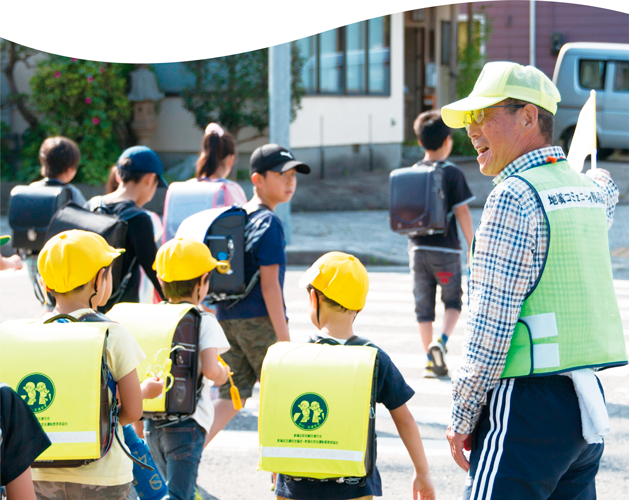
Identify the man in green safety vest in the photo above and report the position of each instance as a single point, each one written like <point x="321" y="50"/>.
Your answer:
<point x="543" y="314"/>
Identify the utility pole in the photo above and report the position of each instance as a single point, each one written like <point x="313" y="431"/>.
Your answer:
<point x="532" y="22"/>
<point x="279" y="113"/>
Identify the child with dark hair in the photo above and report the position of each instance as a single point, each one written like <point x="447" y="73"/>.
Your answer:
<point x="259" y="320"/>
<point x="138" y="173"/>
<point x="436" y="259"/>
<point x="59" y="158"/>
<point x="216" y="161"/>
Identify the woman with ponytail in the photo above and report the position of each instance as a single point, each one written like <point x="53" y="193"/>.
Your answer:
<point x="210" y="188"/>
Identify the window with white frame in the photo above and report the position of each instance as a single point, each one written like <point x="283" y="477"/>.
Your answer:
<point x="352" y="60"/>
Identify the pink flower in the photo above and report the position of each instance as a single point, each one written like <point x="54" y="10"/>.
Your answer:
<point x="73" y="59"/>
<point x="90" y="79"/>
<point x="88" y="100"/>
<point x="101" y="69"/>
<point x="57" y="74"/>
<point x="95" y="121"/>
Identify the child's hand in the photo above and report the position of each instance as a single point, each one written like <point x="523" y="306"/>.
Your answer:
<point x="152" y="388"/>
<point x="423" y="489"/>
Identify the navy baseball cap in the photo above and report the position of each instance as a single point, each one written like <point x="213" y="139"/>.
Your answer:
<point x="144" y="159"/>
<point x="275" y="158"/>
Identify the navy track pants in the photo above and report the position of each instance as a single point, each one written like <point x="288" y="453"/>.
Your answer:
<point x="528" y="444"/>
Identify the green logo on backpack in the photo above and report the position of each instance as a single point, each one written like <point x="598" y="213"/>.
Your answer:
<point x="309" y="411"/>
<point x="37" y="390"/>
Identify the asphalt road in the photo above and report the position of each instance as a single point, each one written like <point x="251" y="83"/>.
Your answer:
<point x="228" y="468"/>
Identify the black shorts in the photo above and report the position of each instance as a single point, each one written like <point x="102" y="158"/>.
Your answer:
<point x="430" y="268"/>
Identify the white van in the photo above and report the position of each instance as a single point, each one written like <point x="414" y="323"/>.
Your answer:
<point x="603" y="67"/>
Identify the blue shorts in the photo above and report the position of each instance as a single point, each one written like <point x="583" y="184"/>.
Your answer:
<point x="528" y="444"/>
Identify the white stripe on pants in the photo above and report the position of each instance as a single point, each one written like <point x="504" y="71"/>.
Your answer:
<point x="493" y="445"/>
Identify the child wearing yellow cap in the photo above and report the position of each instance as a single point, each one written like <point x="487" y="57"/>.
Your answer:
<point x="337" y="287"/>
<point x="75" y="267"/>
<point x="183" y="268"/>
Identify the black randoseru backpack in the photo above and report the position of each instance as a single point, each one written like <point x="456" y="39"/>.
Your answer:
<point x="418" y="204"/>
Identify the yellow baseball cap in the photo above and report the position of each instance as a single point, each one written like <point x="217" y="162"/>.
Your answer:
<point x="500" y="80"/>
<point x="183" y="259"/>
<point x="340" y="277"/>
<point x="72" y="258"/>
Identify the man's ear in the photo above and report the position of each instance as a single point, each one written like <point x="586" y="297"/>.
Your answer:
<point x="529" y="118"/>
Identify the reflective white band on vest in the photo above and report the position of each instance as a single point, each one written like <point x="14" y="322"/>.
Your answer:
<point x="545" y="356"/>
<point x="72" y="437"/>
<point x="541" y="325"/>
<point x="313" y="453"/>
<point x="572" y="197"/>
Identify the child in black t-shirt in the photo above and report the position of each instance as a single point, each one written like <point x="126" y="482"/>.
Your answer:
<point x="346" y="284"/>
<point x="22" y="440"/>
<point x="436" y="259"/>
<point x="139" y="174"/>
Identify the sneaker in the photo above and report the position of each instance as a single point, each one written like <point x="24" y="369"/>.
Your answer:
<point x="438" y="352"/>
<point x="197" y="494"/>
<point x="429" y="370"/>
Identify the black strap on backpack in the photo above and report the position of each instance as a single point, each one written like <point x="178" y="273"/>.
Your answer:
<point x="124" y="282"/>
<point x="96" y="317"/>
<point x="256" y="276"/>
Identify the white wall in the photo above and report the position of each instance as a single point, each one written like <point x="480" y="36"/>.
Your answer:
<point x="346" y="119"/>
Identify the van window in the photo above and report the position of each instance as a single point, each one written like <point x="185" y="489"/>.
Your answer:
<point x="592" y="74"/>
<point x="621" y="79"/>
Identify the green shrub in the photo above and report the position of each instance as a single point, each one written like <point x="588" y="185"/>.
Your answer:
<point x="87" y="102"/>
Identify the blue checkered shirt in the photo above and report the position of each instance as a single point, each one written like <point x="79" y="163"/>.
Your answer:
<point x="509" y="251"/>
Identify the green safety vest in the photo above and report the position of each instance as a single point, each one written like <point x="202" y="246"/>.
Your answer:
<point x="315" y="410"/>
<point x="570" y="320"/>
<point x="56" y="369"/>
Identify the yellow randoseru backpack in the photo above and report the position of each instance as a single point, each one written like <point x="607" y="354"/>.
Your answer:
<point x="169" y="336"/>
<point x="60" y="370"/>
<point x="317" y="410"/>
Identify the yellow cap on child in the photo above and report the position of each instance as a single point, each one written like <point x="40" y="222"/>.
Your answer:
<point x="73" y="258"/>
<point x="340" y="277"/>
<point x="183" y="259"/>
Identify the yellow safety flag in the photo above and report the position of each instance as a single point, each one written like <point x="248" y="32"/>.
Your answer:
<point x="584" y="139"/>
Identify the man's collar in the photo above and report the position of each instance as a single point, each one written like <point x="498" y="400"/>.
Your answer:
<point x="532" y="159"/>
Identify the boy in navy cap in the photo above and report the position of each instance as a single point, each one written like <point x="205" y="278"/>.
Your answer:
<point x="259" y="320"/>
<point x="139" y="173"/>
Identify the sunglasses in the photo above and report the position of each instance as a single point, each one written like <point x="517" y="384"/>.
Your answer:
<point x="478" y="115"/>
